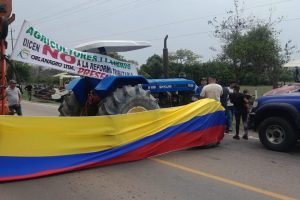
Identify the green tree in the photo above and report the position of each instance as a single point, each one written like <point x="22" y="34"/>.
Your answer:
<point x="263" y="51"/>
<point x="218" y="69"/>
<point x="251" y="46"/>
<point x="185" y="57"/>
<point x="260" y="53"/>
<point x="153" y="67"/>
<point x="286" y="76"/>
<point x="229" y="30"/>
<point x="183" y="63"/>
<point x="19" y="71"/>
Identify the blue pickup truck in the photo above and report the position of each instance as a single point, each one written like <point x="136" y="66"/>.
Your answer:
<point x="277" y="120"/>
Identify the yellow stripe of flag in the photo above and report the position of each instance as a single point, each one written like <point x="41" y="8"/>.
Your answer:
<point x="50" y="136"/>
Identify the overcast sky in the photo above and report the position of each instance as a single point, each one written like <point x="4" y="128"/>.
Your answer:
<point x="185" y="21"/>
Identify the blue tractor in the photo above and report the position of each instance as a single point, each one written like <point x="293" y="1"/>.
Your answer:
<point x="122" y="94"/>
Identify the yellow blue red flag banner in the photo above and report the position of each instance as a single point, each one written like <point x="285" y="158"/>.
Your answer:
<point x="38" y="146"/>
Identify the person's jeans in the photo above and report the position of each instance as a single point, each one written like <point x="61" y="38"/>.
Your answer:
<point x="229" y="115"/>
<point x="15" y="109"/>
<point x="238" y="115"/>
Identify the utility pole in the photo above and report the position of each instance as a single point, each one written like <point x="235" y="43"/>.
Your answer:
<point x="12" y="63"/>
<point x="12" y="39"/>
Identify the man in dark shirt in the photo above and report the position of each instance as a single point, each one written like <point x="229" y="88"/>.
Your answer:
<point x="240" y="103"/>
<point x="225" y="96"/>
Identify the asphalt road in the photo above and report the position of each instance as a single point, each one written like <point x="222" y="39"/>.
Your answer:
<point x="233" y="170"/>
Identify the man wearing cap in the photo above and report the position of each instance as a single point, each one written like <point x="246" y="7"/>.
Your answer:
<point x="14" y="98"/>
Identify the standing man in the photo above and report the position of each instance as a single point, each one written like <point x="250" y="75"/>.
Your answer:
<point x="212" y="90"/>
<point x="241" y="106"/>
<point x="14" y="98"/>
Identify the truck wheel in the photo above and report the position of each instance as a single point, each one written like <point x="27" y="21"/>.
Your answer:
<point x="70" y="106"/>
<point x="128" y="99"/>
<point x="277" y="134"/>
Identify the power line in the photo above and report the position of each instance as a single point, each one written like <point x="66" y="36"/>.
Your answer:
<point x="106" y="12"/>
<point x="49" y="8"/>
<point x="202" y="33"/>
<point x="69" y="11"/>
<point x="180" y="21"/>
<point x="268" y="4"/>
<point x="54" y="15"/>
<point x="184" y="20"/>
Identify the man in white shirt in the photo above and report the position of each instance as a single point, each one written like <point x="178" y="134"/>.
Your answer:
<point x="212" y="90"/>
<point x="14" y="98"/>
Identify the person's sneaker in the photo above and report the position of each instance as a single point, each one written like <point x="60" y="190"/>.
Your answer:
<point x="226" y="131"/>
<point x="230" y="130"/>
<point x="245" y="137"/>
<point x="236" y="137"/>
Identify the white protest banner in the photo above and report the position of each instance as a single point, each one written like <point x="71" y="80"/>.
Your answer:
<point x="35" y="48"/>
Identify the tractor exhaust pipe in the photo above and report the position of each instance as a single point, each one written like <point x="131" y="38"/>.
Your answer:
<point x="165" y="57"/>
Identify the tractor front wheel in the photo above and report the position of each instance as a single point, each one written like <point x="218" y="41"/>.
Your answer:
<point x="70" y="106"/>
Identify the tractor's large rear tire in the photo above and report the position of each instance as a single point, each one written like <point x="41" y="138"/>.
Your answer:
<point x="70" y="106"/>
<point x="128" y="99"/>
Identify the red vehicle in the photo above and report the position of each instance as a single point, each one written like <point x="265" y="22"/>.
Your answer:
<point x="284" y="89"/>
